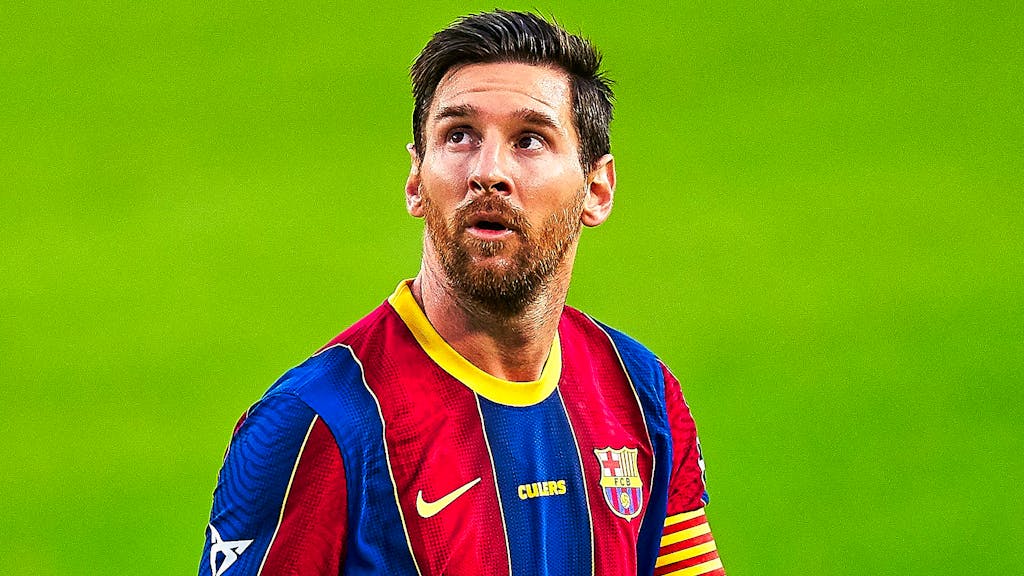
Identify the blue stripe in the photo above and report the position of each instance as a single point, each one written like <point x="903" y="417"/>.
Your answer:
<point x="254" y="479"/>
<point x="332" y="384"/>
<point x="547" y="535"/>
<point x="649" y="382"/>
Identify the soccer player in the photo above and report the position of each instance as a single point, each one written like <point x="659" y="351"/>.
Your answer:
<point x="473" y="424"/>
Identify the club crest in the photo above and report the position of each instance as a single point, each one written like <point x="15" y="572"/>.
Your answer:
<point x="620" y="481"/>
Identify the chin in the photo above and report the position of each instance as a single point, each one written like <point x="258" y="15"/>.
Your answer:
<point x="485" y="249"/>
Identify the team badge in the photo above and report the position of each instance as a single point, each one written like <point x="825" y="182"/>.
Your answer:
<point x="620" y="481"/>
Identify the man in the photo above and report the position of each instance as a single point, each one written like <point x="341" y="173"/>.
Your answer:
<point x="474" y="424"/>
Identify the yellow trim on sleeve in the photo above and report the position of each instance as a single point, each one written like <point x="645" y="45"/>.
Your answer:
<point x="698" y="569"/>
<point x="683" y="517"/>
<point x="675" y="537"/>
<point x="494" y="389"/>
<point x="684" y="554"/>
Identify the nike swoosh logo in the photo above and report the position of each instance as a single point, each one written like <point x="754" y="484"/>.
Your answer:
<point x="427" y="509"/>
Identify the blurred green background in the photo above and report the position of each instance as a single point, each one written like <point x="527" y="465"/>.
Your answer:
<point x="818" y="225"/>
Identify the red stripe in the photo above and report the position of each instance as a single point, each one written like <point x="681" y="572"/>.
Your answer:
<point x="690" y="543"/>
<point x="687" y="485"/>
<point x="669" y="568"/>
<point x="311" y="537"/>
<point x="435" y="452"/>
<point x="604" y="413"/>
<point x="685" y="524"/>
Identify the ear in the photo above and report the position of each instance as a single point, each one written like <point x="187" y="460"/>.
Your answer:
<point x="413" y="201"/>
<point x="600" y="191"/>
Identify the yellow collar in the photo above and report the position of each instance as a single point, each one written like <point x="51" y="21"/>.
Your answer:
<point x="494" y="389"/>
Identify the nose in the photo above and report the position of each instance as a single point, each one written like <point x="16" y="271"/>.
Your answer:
<point x="491" y="173"/>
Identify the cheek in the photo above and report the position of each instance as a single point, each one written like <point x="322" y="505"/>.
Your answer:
<point x="551" y="170"/>
<point x="443" y="177"/>
<point x="556" y="188"/>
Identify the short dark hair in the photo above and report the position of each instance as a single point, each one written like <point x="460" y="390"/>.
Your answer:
<point x="502" y="36"/>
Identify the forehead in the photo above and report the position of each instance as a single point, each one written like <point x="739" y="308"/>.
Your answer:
<point x="499" y="86"/>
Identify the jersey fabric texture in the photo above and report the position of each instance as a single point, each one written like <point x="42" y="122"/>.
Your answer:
<point x="388" y="453"/>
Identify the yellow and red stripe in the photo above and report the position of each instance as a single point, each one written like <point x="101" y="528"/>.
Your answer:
<point x="687" y="547"/>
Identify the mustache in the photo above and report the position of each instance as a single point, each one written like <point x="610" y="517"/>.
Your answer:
<point x="495" y="207"/>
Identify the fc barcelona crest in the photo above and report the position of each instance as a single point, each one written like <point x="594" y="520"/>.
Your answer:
<point x="620" y="481"/>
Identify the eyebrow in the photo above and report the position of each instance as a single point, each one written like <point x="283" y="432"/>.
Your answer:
<point x="537" y="118"/>
<point x="527" y="115"/>
<point x="460" y="111"/>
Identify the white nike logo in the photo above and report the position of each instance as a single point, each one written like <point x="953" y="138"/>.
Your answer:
<point x="427" y="509"/>
<point x="229" y="549"/>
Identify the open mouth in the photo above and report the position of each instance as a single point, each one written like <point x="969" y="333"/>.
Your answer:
<point x="490" y="225"/>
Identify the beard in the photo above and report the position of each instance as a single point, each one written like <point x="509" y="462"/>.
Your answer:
<point x="517" y="278"/>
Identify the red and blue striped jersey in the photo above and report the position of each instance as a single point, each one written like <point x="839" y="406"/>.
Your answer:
<point x="388" y="453"/>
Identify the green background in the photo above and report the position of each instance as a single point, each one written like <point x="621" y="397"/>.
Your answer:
<point x="818" y="225"/>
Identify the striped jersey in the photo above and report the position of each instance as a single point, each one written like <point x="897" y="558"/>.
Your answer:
<point x="388" y="453"/>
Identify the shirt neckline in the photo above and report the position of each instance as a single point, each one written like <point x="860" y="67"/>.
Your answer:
<point x="490" y="387"/>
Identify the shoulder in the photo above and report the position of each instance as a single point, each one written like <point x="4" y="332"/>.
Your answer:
<point x="634" y="356"/>
<point x="273" y="429"/>
<point x="282" y="464"/>
<point x="336" y="363"/>
<point x="265" y="449"/>
<point x="332" y="383"/>
<point x="648" y="375"/>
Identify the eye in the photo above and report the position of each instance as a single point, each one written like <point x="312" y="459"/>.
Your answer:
<point x="529" y="142"/>
<point x="460" y="136"/>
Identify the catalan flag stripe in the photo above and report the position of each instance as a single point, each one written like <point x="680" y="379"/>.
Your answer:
<point x="669" y="539"/>
<point x="685" y="554"/>
<point x="704" y="568"/>
<point x="688" y="548"/>
<point x="683" y="517"/>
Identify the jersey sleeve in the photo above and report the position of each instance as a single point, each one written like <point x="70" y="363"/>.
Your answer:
<point x="687" y="545"/>
<point x="280" y="502"/>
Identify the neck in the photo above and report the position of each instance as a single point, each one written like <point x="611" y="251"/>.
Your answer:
<point x="511" y="347"/>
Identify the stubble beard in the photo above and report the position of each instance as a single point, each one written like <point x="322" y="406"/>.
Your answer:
<point x="504" y="288"/>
